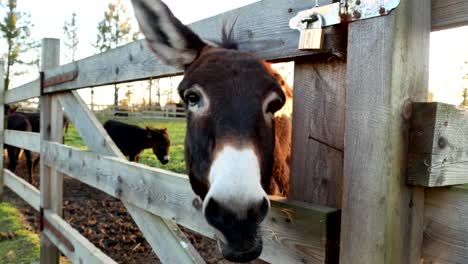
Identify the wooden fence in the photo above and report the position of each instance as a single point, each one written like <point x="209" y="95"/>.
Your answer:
<point x="166" y="112"/>
<point x="352" y="125"/>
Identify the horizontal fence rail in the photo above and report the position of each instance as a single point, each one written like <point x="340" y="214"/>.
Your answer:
<point x="22" y="139"/>
<point x="24" y="92"/>
<point x="75" y="246"/>
<point x="438" y="147"/>
<point x="449" y="14"/>
<point x="262" y="27"/>
<point x="288" y="237"/>
<point x="23" y="189"/>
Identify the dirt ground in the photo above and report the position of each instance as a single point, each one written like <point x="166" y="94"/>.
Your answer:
<point x="105" y="222"/>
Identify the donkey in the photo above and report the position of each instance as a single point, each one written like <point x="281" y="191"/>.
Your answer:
<point x="132" y="140"/>
<point x="17" y="121"/>
<point x="29" y="122"/>
<point x="231" y="98"/>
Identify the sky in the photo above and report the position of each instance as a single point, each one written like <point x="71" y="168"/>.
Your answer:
<point x="448" y="54"/>
<point x="449" y="49"/>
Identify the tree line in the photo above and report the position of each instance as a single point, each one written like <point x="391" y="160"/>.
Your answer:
<point x="22" y="52"/>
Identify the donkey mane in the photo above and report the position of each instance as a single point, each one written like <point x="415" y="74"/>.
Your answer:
<point x="227" y="37"/>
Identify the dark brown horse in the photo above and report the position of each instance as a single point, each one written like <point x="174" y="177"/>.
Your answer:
<point x="231" y="98"/>
<point x="23" y="121"/>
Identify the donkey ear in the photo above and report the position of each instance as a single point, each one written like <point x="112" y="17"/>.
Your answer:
<point x="174" y="43"/>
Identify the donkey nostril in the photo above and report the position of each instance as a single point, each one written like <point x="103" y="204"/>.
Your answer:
<point x="258" y="213"/>
<point x="218" y="216"/>
<point x="264" y="207"/>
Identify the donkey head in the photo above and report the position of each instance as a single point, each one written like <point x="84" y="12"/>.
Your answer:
<point x="230" y="98"/>
<point x="160" y="143"/>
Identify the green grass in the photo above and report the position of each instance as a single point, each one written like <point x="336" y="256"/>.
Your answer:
<point x="17" y="244"/>
<point x="175" y="128"/>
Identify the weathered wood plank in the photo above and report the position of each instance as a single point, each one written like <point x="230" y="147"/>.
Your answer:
<point x="318" y="132"/>
<point x="169" y="195"/>
<point x="445" y="226"/>
<point x="438" y="147"/>
<point x="2" y="120"/>
<point x="51" y="181"/>
<point x="88" y="126"/>
<point x="81" y="251"/>
<point x="387" y="68"/>
<point x="163" y="232"/>
<point x="24" y="92"/>
<point x="23" y="139"/>
<point x="262" y="27"/>
<point x="170" y="249"/>
<point x="449" y="14"/>
<point x="23" y="189"/>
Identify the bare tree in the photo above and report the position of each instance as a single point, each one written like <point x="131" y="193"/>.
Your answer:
<point x="113" y="31"/>
<point x="70" y="28"/>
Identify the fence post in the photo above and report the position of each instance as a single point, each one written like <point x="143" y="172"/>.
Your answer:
<point x="2" y="123"/>
<point x="382" y="217"/>
<point x="51" y="130"/>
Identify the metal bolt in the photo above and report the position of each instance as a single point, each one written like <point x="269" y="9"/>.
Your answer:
<point x="356" y="14"/>
<point x="442" y="142"/>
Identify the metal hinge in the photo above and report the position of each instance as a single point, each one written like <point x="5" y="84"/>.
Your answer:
<point x="57" y="79"/>
<point x="345" y="11"/>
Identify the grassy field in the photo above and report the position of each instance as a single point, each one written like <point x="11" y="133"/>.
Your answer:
<point x="17" y="244"/>
<point x="175" y="128"/>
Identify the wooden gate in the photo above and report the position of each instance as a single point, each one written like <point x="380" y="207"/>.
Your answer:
<point x="352" y="124"/>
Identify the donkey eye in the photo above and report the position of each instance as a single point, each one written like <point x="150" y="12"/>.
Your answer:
<point x="274" y="105"/>
<point x="192" y="99"/>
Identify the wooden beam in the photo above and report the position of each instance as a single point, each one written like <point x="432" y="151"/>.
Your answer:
<point x="438" y="147"/>
<point x="170" y="196"/>
<point x="73" y="245"/>
<point x="170" y="249"/>
<point x="23" y="139"/>
<point x="51" y="181"/>
<point x="261" y="27"/>
<point x="2" y="121"/>
<point x="445" y="228"/>
<point x="448" y="14"/>
<point x="318" y="132"/>
<point x="23" y="189"/>
<point x="24" y="92"/>
<point x="388" y="59"/>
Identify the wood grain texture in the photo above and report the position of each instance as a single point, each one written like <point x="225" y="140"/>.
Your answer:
<point x="449" y="14"/>
<point x="438" y="147"/>
<point x="24" y="92"/>
<point x="169" y="195"/>
<point x="23" y="189"/>
<point x="23" y="139"/>
<point x="261" y="27"/>
<point x="83" y="251"/>
<point x="318" y="132"/>
<point x="51" y="180"/>
<point x="2" y="121"/>
<point x="445" y="226"/>
<point x="387" y="68"/>
<point x="170" y="249"/>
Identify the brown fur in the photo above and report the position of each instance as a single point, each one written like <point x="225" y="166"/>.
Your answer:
<point x="281" y="167"/>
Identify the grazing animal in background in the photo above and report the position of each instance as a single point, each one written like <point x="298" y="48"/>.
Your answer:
<point x="17" y="121"/>
<point x="231" y="98"/>
<point x="35" y="120"/>
<point x="132" y="140"/>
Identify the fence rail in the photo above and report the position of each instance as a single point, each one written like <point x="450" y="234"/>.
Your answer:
<point x="167" y="112"/>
